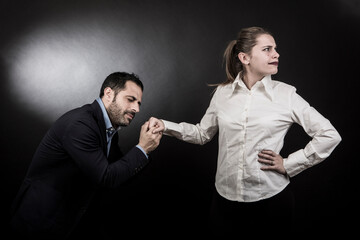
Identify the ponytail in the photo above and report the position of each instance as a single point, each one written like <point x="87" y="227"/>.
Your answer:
<point x="231" y="62"/>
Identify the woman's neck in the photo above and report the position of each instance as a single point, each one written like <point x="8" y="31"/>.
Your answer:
<point x="250" y="79"/>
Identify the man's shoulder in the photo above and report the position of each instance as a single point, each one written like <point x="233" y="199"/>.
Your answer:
<point x="88" y="114"/>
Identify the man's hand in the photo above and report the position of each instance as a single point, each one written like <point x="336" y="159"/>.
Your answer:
<point x="148" y="140"/>
<point x="157" y="124"/>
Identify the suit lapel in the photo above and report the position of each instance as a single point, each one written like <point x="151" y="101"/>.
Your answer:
<point x="101" y="124"/>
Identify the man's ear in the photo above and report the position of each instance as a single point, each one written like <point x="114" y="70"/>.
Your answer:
<point x="244" y="58"/>
<point x="108" y="96"/>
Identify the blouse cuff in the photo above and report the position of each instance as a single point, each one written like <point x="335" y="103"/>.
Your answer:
<point x="171" y="127"/>
<point x="296" y="163"/>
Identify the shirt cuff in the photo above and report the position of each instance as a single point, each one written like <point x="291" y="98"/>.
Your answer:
<point x="172" y="129"/>
<point x="296" y="163"/>
<point x="142" y="150"/>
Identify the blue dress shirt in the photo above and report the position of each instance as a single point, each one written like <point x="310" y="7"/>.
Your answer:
<point x="110" y="130"/>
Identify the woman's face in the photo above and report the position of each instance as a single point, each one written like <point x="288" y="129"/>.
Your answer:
<point x="264" y="58"/>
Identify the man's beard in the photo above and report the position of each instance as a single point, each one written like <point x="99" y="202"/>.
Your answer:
<point x="117" y="116"/>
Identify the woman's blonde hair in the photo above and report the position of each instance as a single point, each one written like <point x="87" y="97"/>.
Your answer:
<point x="246" y="40"/>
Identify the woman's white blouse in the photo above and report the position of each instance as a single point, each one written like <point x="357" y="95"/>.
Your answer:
<point x="249" y="121"/>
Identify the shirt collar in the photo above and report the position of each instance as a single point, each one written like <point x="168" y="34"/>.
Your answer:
<point x="266" y="82"/>
<point x="110" y="130"/>
<point x="237" y="82"/>
<point x="268" y="86"/>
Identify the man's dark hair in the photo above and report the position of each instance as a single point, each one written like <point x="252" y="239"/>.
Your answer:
<point x="116" y="81"/>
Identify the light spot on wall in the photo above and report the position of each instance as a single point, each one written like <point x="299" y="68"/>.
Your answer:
<point x="60" y="66"/>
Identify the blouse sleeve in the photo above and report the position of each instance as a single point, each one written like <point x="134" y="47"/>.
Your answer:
<point x="324" y="136"/>
<point x="199" y="133"/>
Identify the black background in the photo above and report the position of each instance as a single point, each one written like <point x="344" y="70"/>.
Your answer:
<point x="176" y="48"/>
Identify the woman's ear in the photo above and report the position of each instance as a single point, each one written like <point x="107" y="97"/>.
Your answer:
<point x="244" y="58"/>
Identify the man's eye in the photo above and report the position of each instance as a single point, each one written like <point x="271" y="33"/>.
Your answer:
<point x="266" y="49"/>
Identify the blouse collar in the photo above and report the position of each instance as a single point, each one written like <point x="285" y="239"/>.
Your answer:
<point x="266" y="82"/>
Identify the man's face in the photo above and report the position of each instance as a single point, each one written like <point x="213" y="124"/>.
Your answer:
<point x="125" y="105"/>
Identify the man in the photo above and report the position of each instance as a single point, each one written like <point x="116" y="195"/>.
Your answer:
<point x="78" y="157"/>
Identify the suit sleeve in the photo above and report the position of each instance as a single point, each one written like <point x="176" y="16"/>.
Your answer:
<point x="82" y="142"/>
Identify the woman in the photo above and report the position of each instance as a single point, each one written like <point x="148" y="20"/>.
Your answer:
<point x="252" y="114"/>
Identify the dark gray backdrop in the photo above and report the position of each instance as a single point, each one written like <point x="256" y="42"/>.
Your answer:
<point x="55" y="55"/>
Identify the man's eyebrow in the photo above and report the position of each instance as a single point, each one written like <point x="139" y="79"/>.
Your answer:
<point x="133" y="98"/>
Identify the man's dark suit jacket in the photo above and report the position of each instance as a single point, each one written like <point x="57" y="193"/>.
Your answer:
<point x="68" y="167"/>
